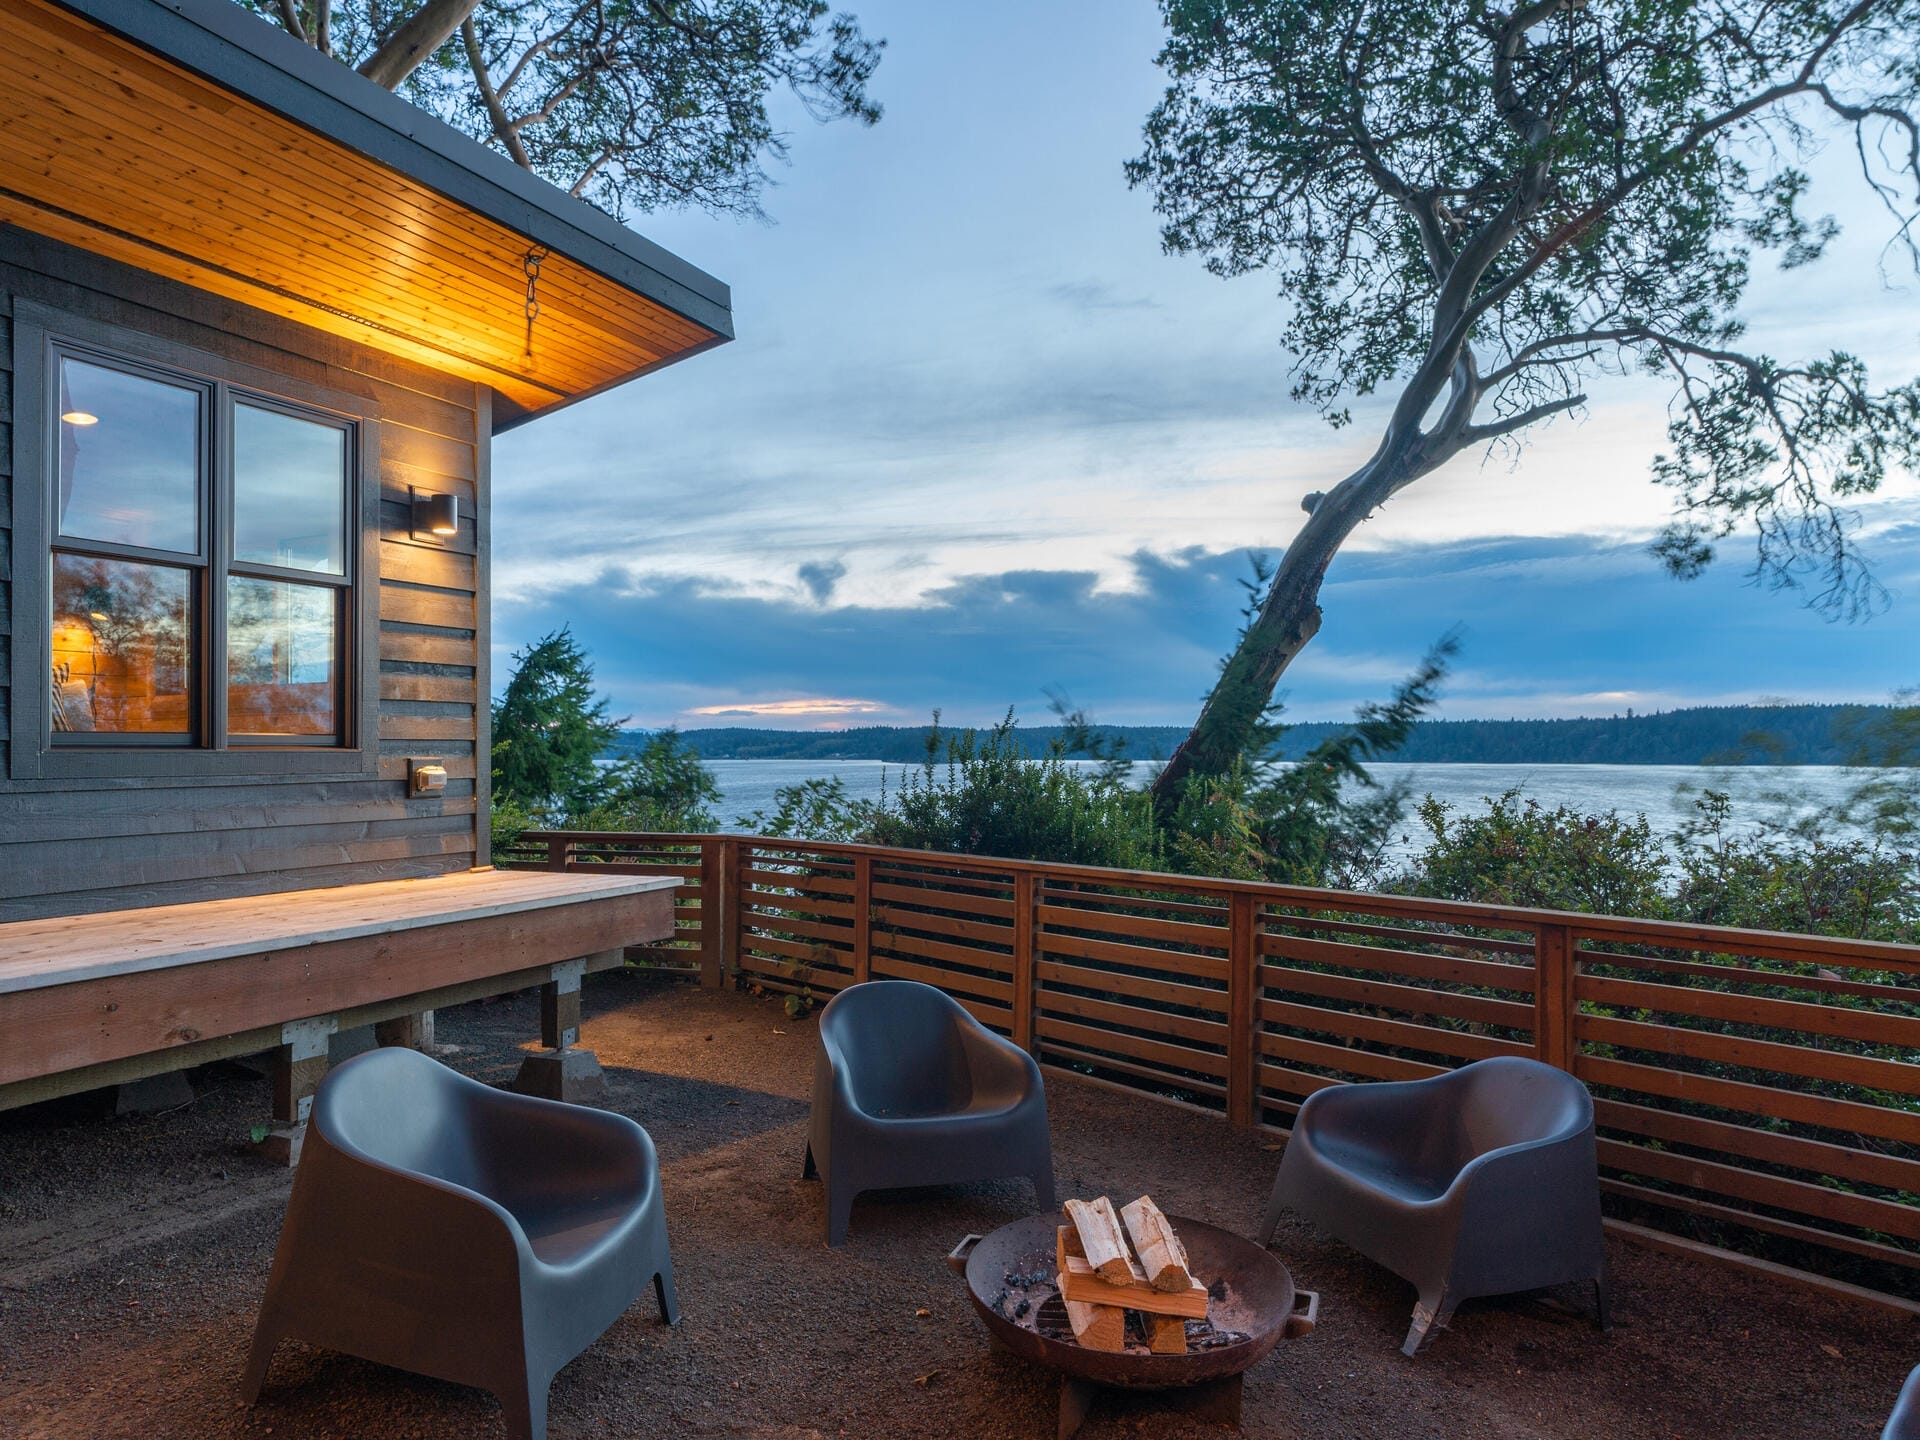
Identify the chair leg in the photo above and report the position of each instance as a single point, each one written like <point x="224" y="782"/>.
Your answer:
<point x="665" y="1294"/>
<point x="267" y="1335"/>
<point x="1043" y="1188"/>
<point x="808" y="1170"/>
<point x="525" y="1410"/>
<point x="1602" y="1308"/>
<point x="1429" y="1314"/>
<point x="1270" y="1222"/>
<point x="839" y="1214"/>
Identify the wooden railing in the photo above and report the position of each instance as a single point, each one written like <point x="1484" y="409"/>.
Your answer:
<point x="1743" y="1078"/>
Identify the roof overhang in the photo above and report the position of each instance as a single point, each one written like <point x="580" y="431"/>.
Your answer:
<point x="195" y="140"/>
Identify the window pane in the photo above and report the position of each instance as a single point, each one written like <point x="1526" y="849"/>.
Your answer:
<point x="281" y="658"/>
<point x="289" y="491"/>
<point x="129" y="459"/>
<point x="121" y="641"/>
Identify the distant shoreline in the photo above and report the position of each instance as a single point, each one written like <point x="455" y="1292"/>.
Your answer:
<point x="1703" y="735"/>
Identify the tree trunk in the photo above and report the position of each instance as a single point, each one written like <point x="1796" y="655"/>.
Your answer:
<point x="425" y="31"/>
<point x="1288" y="619"/>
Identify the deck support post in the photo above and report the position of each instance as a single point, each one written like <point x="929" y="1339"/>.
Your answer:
<point x="413" y="1031"/>
<point x="299" y="1065"/>
<point x="563" y="1071"/>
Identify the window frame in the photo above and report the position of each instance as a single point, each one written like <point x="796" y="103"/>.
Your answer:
<point x="41" y="335"/>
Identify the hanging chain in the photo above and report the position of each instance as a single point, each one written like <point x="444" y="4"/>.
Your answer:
<point x="530" y="262"/>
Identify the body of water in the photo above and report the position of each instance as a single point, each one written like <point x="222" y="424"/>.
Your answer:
<point x="1663" y="793"/>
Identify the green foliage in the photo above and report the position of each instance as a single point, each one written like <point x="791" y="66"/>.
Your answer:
<point x="661" y="787"/>
<point x="549" y="729"/>
<point x="1520" y="852"/>
<point x="1321" y="821"/>
<point x="1490" y="206"/>
<point x="1750" y="872"/>
<point x="981" y="794"/>
<point x="635" y="104"/>
<point x="815" y="809"/>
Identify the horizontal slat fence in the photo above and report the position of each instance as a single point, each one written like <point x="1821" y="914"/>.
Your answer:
<point x="1740" y="1078"/>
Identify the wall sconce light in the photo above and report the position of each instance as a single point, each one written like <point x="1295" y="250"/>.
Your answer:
<point x="435" y="514"/>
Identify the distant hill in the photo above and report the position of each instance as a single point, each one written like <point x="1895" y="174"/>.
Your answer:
<point x="1715" y="734"/>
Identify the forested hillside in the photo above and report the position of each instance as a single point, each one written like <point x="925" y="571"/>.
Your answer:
<point x="1729" y="734"/>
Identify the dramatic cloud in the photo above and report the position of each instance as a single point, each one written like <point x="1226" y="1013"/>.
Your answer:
<point x="1548" y="627"/>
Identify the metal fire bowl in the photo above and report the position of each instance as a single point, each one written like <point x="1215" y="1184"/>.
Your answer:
<point x="1251" y="1292"/>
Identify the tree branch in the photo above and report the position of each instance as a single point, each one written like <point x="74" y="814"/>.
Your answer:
<point x="424" y="32"/>
<point x="1478" y="434"/>
<point x="290" y="17"/>
<point x="496" y="112"/>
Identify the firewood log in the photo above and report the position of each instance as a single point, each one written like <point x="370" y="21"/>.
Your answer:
<point x="1162" y="1255"/>
<point x="1081" y="1282"/>
<point x="1166" y="1335"/>
<point x="1097" y="1327"/>
<point x="1102" y="1240"/>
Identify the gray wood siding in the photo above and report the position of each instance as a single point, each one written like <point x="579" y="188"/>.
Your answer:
<point x="74" y="845"/>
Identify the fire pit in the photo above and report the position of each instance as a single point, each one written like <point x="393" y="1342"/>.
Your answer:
<point x="1251" y="1306"/>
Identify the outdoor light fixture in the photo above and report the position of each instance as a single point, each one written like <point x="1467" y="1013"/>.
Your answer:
<point x="435" y="514"/>
<point x="80" y="417"/>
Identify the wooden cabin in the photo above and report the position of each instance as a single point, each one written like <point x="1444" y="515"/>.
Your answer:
<point x="259" y="321"/>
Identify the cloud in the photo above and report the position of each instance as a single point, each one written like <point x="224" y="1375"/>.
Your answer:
<point x="820" y="577"/>
<point x="1561" y="626"/>
<point x="791" y="709"/>
<point x="1096" y="295"/>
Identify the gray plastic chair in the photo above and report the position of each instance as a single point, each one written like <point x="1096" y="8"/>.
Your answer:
<point x="909" y="1089"/>
<point x="444" y="1227"/>
<point x="1481" y="1181"/>
<point x="1904" y="1423"/>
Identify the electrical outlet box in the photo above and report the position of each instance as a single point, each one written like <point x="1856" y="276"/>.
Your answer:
<point x="426" y="777"/>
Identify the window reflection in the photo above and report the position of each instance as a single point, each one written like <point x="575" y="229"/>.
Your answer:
<point x="280" y="658"/>
<point x="129" y="459"/>
<point x="289" y="491"/>
<point x="121" y="635"/>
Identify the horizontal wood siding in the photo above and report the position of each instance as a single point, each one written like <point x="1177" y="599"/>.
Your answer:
<point x="69" y="846"/>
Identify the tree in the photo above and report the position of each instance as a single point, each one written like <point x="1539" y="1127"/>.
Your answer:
<point x="549" y="731"/>
<point x="633" y="104"/>
<point x="1489" y="206"/>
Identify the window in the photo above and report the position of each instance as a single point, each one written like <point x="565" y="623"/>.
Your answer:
<point x="201" y="581"/>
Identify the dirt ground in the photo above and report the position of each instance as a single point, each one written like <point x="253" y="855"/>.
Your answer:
<point x="133" y="1252"/>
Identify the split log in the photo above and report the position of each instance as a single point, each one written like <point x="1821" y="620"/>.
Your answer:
<point x="1166" y="1335"/>
<point x="1162" y="1255"/>
<point x="1097" y="1327"/>
<point x="1066" y="1243"/>
<point x="1102" y="1240"/>
<point x="1080" y="1281"/>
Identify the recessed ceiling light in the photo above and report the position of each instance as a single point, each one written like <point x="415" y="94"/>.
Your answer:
<point x="80" y="417"/>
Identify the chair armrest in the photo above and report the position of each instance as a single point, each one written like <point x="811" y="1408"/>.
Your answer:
<point x="361" y="1208"/>
<point x="543" y="1150"/>
<point x="994" y="1060"/>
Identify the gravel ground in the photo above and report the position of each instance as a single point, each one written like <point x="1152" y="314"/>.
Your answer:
<point x="133" y="1252"/>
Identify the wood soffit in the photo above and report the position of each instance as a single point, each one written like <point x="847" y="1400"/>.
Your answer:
<point x="110" y="147"/>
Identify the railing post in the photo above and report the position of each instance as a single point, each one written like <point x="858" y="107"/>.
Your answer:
<point x="1243" y="1011"/>
<point x="713" y="971"/>
<point x="862" y="918"/>
<point x="1554" y="1003"/>
<point x="720" y="888"/>
<point x="559" y="852"/>
<point x="1024" y="896"/>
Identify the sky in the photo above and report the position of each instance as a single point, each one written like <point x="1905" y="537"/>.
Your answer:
<point x="979" y="442"/>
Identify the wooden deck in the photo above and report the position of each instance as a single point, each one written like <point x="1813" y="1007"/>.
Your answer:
<point x="91" y="1000"/>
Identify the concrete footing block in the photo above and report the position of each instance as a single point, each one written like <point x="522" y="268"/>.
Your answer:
<point x="571" y="1074"/>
